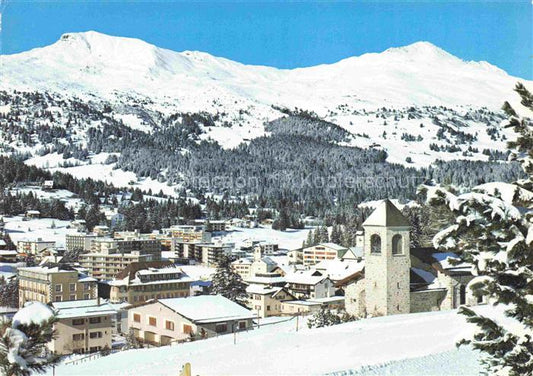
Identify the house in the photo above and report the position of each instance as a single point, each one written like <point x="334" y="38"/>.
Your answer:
<point x="59" y="283"/>
<point x="47" y="185"/>
<point x="164" y="321"/>
<point x="267" y="248"/>
<point x="141" y="281"/>
<point x="101" y="230"/>
<point x="33" y="214"/>
<point x="83" y="326"/>
<point x="7" y="255"/>
<point x="296" y="256"/>
<point x="309" y="284"/>
<point x="266" y="300"/>
<point x="243" y="267"/>
<point x="323" y="251"/>
<point x="399" y="279"/>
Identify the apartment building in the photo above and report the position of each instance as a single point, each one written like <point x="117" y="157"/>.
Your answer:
<point x="54" y="284"/>
<point x="189" y="233"/>
<point x="205" y="253"/>
<point x="324" y="251"/>
<point x="164" y="321"/>
<point x="149" y="280"/>
<point x="83" y="326"/>
<point x="34" y="247"/>
<point x="108" y="256"/>
<point x="79" y="241"/>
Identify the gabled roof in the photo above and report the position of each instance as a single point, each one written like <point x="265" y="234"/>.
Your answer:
<point x="207" y="308"/>
<point x="387" y="215"/>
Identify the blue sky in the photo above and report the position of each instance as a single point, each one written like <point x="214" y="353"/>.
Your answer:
<point x="287" y="34"/>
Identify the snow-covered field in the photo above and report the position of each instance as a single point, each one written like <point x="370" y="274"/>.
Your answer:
<point x="289" y="239"/>
<point x="47" y="229"/>
<point x="414" y="344"/>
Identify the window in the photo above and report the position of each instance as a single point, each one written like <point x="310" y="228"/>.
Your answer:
<point x="58" y="298"/>
<point x="78" y="322"/>
<point x="187" y="329"/>
<point x="221" y="328"/>
<point x="95" y="320"/>
<point x="169" y="325"/>
<point x="397" y="245"/>
<point x="95" y="335"/>
<point x="78" y="337"/>
<point x="375" y="244"/>
<point x="268" y="308"/>
<point x="242" y="325"/>
<point x="136" y="317"/>
<point x="86" y="286"/>
<point x="72" y="287"/>
<point x="462" y="294"/>
<point x="95" y="348"/>
<point x="59" y="288"/>
<point x="86" y="296"/>
<point x="72" y="297"/>
<point x="152" y="321"/>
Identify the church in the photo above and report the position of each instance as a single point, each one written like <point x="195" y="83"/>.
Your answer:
<point x="398" y="279"/>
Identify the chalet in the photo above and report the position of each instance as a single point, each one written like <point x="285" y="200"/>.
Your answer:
<point x="309" y="284"/>
<point x="267" y="300"/>
<point x="164" y="321"/>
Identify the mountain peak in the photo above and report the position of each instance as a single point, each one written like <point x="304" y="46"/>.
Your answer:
<point x="421" y="49"/>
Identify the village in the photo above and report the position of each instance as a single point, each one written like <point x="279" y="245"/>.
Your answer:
<point x="107" y="288"/>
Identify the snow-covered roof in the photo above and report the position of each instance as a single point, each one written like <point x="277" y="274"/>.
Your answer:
<point x="266" y="279"/>
<point x="82" y="308"/>
<point x="333" y="246"/>
<point x="243" y="261"/>
<point x="329" y="299"/>
<point x="305" y="277"/>
<point x="262" y="289"/>
<point x="387" y="215"/>
<point x="445" y="259"/>
<point x="337" y="269"/>
<point x="208" y="308"/>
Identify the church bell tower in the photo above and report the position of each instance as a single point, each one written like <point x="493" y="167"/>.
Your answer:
<point x="387" y="261"/>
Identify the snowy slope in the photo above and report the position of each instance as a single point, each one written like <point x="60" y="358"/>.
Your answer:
<point x="351" y="93"/>
<point x="420" y="73"/>
<point x="280" y="350"/>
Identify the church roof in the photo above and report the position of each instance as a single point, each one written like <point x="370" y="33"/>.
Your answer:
<point x="387" y="215"/>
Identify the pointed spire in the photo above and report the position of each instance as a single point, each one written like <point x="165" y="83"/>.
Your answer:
<point x="387" y="215"/>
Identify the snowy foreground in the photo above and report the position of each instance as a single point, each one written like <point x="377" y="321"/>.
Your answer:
<point x="415" y="344"/>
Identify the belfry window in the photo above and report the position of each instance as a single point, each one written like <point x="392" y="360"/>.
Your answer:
<point x="375" y="244"/>
<point x="397" y="245"/>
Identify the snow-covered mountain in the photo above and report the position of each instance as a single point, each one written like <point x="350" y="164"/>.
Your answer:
<point x="386" y="100"/>
<point x="418" y="74"/>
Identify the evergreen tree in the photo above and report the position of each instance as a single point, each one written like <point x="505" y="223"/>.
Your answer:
<point x="336" y="234"/>
<point x="9" y="293"/>
<point x="132" y="342"/>
<point x="323" y="317"/>
<point x="228" y="283"/>
<point x="494" y="232"/>
<point x="23" y="341"/>
<point x="310" y="241"/>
